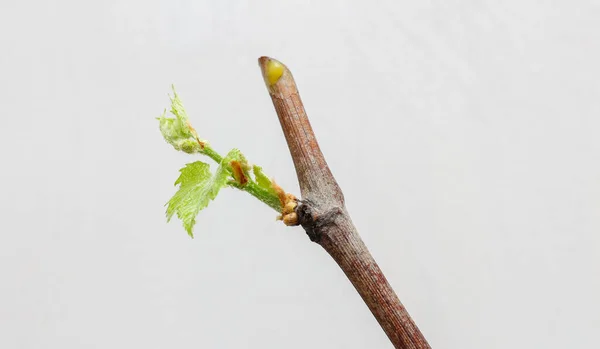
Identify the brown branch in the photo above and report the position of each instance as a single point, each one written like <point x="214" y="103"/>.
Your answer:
<point x="322" y="213"/>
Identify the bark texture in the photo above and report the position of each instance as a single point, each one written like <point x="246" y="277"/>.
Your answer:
<point x="322" y="213"/>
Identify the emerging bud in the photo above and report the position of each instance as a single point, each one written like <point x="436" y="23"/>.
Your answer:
<point x="178" y="131"/>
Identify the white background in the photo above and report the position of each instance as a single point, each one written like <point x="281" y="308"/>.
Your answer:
<point x="464" y="135"/>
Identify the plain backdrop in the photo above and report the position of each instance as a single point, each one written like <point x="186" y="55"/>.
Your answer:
<point x="465" y="135"/>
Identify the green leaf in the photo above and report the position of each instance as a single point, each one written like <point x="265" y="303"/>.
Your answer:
<point x="262" y="180"/>
<point x="197" y="187"/>
<point x="178" y="131"/>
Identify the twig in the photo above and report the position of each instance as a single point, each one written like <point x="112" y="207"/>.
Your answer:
<point x="322" y="213"/>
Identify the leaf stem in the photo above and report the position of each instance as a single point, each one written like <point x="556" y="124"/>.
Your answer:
<point x="211" y="153"/>
<point x="251" y="187"/>
<point x="261" y="194"/>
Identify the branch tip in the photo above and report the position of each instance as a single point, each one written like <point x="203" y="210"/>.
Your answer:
<point x="314" y="177"/>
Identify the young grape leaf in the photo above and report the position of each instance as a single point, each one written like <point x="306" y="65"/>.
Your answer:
<point x="178" y="131"/>
<point x="197" y="187"/>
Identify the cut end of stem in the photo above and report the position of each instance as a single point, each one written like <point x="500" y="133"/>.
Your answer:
<point x="272" y="70"/>
<point x="276" y="75"/>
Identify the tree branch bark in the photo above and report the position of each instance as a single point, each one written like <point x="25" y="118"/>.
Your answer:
<point x="322" y="213"/>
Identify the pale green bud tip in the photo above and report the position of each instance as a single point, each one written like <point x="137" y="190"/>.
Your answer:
<point x="177" y="131"/>
<point x="190" y="146"/>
